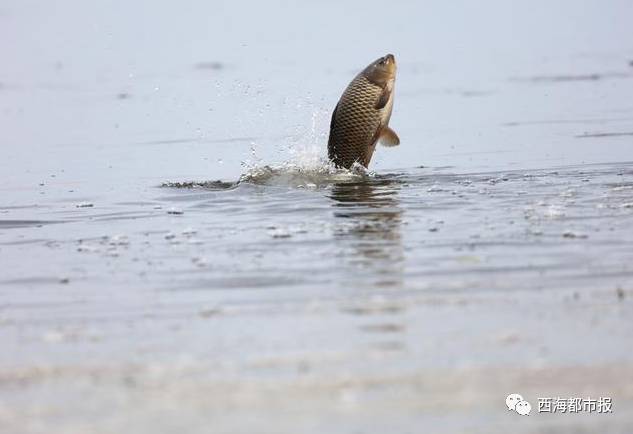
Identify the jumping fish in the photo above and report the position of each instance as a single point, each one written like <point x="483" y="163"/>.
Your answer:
<point x="361" y="117"/>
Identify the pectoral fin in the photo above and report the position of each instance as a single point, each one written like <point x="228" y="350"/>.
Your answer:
<point x="384" y="98"/>
<point x="388" y="137"/>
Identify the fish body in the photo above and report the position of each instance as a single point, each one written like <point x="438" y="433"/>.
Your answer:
<point x="361" y="117"/>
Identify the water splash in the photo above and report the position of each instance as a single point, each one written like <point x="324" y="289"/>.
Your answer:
<point x="304" y="174"/>
<point x="307" y="165"/>
<point x="206" y="185"/>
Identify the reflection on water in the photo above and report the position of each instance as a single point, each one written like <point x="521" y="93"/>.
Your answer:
<point x="368" y="229"/>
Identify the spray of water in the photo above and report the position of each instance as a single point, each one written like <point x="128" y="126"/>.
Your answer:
<point x="307" y="164"/>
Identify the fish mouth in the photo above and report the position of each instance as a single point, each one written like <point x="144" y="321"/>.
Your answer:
<point x="390" y="62"/>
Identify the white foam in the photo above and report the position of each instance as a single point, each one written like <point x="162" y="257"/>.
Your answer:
<point x="302" y="174"/>
<point x="307" y="165"/>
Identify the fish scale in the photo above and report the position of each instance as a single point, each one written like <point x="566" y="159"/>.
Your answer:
<point x="355" y="123"/>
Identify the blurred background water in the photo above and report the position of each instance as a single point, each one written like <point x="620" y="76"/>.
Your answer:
<point x="168" y="91"/>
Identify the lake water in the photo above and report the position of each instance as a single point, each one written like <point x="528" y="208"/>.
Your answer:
<point x="177" y="255"/>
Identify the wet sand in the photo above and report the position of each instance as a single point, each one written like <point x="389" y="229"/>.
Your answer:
<point x="176" y="256"/>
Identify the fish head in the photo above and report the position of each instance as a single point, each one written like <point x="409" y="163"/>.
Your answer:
<point x="382" y="70"/>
